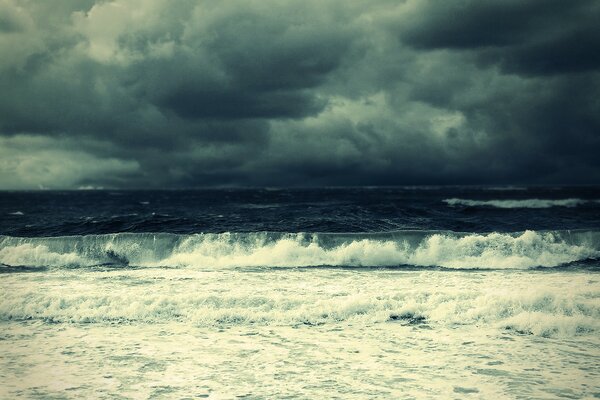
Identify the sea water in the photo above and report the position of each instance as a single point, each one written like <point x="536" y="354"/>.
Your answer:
<point x="431" y="292"/>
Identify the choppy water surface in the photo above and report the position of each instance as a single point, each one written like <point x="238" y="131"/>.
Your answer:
<point x="358" y="293"/>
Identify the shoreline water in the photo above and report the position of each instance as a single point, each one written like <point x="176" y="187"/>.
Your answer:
<point x="406" y="297"/>
<point x="178" y="333"/>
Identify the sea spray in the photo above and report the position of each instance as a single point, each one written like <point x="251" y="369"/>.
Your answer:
<point x="269" y="249"/>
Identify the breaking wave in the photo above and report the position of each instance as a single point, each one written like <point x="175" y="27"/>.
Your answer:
<point x="541" y="311"/>
<point x="523" y="203"/>
<point x="266" y="249"/>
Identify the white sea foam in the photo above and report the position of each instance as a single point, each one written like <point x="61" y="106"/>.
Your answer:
<point x="218" y="251"/>
<point x="440" y="333"/>
<point x="542" y="324"/>
<point x="496" y="250"/>
<point x="208" y="300"/>
<point x="28" y="254"/>
<point x="291" y="251"/>
<point x="530" y="249"/>
<point x="522" y="203"/>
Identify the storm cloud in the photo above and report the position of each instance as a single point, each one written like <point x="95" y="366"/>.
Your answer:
<point x="158" y="94"/>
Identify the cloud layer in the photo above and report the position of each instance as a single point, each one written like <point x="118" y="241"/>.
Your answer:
<point x="137" y="94"/>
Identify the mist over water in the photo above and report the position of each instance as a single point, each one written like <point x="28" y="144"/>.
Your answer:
<point x="394" y="292"/>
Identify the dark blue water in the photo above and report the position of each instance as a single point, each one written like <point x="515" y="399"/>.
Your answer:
<point x="58" y="213"/>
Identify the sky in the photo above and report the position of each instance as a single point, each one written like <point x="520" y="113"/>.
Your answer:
<point x="182" y="94"/>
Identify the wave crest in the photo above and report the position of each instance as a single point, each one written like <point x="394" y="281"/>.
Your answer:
<point x="523" y="203"/>
<point x="229" y="250"/>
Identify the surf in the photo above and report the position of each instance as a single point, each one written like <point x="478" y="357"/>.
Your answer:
<point x="520" y="203"/>
<point x="423" y="249"/>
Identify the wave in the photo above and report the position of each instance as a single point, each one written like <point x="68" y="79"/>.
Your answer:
<point x="268" y="249"/>
<point x="505" y="188"/>
<point x="541" y="311"/>
<point x="523" y="203"/>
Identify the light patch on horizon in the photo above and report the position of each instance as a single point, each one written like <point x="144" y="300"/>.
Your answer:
<point x="48" y="164"/>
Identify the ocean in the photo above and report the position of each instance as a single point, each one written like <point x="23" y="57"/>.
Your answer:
<point x="350" y="293"/>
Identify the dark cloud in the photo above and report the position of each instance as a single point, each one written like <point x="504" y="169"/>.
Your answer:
<point x="571" y="52"/>
<point x="530" y="37"/>
<point x="236" y="104"/>
<point x="476" y="24"/>
<point x="162" y="94"/>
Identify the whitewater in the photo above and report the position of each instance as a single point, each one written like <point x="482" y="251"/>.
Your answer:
<point x="267" y="249"/>
<point x="341" y="293"/>
<point x="519" y="203"/>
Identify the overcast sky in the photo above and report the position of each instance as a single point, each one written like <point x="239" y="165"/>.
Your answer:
<point x="153" y="94"/>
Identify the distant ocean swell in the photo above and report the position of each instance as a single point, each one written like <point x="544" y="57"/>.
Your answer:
<point x="520" y="250"/>
<point x="521" y="203"/>
<point x="542" y="311"/>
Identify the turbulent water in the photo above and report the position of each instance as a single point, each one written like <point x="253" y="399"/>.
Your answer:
<point x="421" y="292"/>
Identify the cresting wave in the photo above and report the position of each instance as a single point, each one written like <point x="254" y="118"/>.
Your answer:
<point x="522" y="203"/>
<point x="264" y="249"/>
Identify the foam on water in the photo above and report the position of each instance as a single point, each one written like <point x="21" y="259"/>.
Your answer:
<point x="214" y="299"/>
<point x="523" y="203"/>
<point x="28" y="254"/>
<point x="229" y="250"/>
<point x="231" y="315"/>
